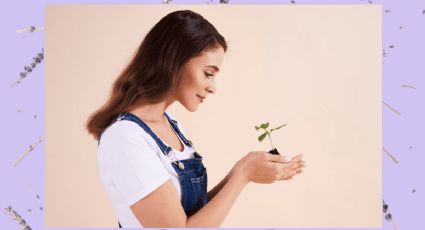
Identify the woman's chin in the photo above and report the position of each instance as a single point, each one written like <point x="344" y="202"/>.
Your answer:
<point x="191" y="108"/>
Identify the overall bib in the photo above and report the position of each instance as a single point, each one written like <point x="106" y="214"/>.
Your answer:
<point x="191" y="172"/>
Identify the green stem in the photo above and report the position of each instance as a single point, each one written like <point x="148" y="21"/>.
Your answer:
<point x="270" y="138"/>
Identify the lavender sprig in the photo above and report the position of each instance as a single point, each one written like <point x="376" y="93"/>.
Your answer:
<point x="38" y="200"/>
<point x="17" y="217"/>
<point x="388" y="215"/>
<point x="28" y="69"/>
<point x="29" y="29"/>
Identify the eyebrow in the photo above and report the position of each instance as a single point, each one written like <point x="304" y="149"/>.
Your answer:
<point x="214" y="67"/>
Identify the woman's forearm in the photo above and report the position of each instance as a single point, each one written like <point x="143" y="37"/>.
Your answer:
<point x="211" y="194"/>
<point x="213" y="213"/>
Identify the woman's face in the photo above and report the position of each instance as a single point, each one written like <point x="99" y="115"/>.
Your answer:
<point x="197" y="78"/>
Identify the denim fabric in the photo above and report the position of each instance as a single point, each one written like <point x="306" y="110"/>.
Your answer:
<point x="193" y="182"/>
<point x="193" y="178"/>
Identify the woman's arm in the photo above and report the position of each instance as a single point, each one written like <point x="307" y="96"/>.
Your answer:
<point x="150" y="209"/>
<point x="213" y="213"/>
<point x="258" y="167"/>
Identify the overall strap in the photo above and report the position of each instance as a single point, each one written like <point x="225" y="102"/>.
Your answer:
<point x="177" y="130"/>
<point x="131" y="117"/>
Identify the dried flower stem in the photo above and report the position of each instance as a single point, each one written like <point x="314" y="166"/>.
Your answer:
<point x="391" y="108"/>
<point x="30" y="149"/>
<point x="408" y="86"/>
<point x="394" y="226"/>
<point x="17" y="217"/>
<point x="391" y="156"/>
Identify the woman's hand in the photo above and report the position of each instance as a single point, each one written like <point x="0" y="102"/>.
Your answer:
<point x="265" y="168"/>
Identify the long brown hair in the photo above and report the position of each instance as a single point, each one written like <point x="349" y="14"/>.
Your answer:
<point x="154" y="69"/>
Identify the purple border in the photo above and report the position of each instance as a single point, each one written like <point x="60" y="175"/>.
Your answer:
<point x="403" y="77"/>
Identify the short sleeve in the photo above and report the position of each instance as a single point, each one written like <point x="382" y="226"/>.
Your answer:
<point x="133" y="165"/>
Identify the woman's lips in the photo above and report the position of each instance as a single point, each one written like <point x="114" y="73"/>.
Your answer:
<point x="200" y="98"/>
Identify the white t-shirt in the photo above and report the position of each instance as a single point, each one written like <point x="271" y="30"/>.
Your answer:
<point x="131" y="165"/>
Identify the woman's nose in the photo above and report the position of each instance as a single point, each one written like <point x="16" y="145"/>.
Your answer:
<point x="211" y="88"/>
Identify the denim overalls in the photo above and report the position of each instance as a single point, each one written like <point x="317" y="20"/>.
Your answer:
<point x="191" y="172"/>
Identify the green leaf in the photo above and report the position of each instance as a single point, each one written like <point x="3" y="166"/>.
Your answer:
<point x="262" y="136"/>
<point x="257" y="128"/>
<point x="265" y="125"/>
<point x="278" y="127"/>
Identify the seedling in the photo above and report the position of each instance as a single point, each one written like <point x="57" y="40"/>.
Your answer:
<point x="268" y="133"/>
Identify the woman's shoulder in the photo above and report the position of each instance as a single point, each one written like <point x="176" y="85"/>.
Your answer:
<point x="122" y="130"/>
<point x="125" y="138"/>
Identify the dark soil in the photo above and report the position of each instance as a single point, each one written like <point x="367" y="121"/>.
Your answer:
<point x="274" y="152"/>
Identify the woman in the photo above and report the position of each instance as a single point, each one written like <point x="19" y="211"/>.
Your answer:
<point x="150" y="169"/>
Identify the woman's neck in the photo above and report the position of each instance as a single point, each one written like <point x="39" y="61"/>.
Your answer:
<point x="152" y="113"/>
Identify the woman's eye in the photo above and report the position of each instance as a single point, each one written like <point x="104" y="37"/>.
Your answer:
<point x="208" y="75"/>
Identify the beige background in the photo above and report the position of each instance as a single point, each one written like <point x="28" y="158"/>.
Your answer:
<point x="315" y="67"/>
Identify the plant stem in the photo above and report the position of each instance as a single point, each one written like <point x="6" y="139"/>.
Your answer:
<point x="270" y="138"/>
